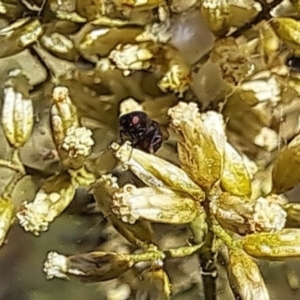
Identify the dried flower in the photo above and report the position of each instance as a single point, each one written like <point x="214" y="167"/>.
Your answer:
<point x="155" y="171"/>
<point x="177" y="79"/>
<point x="17" y="117"/>
<point x="50" y="201"/>
<point x="268" y="215"/>
<point x="233" y="213"/>
<point x="103" y="190"/>
<point x="94" y="266"/>
<point x="231" y="59"/>
<point x="78" y="141"/>
<point x="131" y="57"/>
<point x="157" y="33"/>
<point x="157" y="205"/>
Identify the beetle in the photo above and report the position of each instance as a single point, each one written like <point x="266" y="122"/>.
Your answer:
<point x="293" y="62"/>
<point x="141" y="131"/>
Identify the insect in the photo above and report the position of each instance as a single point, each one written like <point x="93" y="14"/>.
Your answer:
<point x="144" y="133"/>
<point x="293" y="62"/>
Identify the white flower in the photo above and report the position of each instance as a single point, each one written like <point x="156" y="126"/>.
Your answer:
<point x="131" y="57"/>
<point x="269" y="216"/>
<point x="78" y="141"/>
<point x="264" y="88"/>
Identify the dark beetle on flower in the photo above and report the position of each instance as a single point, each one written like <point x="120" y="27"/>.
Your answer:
<point x="293" y="62"/>
<point x="141" y="131"/>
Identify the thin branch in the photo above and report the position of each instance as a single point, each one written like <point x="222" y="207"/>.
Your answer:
<point x="11" y="165"/>
<point x="8" y="190"/>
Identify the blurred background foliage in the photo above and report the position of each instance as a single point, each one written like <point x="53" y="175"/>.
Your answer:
<point x="236" y="54"/>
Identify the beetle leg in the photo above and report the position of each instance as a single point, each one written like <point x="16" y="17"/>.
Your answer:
<point x="156" y="139"/>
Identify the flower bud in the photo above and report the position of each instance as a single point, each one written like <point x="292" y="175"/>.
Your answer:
<point x="17" y="117"/>
<point x="19" y="35"/>
<point x="93" y="266"/>
<point x="216" y="15"/>
<point x="153" y="204"/>
<point x="7" y="215"/>
<point x="243" y="215"/>
<point x="233" y="213"/>
<point x="245" y="276"/>
<point x="60" y="46"/>
<point x="273" y="246"/>
<point x="155" y="171"/>
<point x="201" y="148"/>
<point x="50" y="201"/>
<point x="63" y="114"/>
<point x="103" y="190"/>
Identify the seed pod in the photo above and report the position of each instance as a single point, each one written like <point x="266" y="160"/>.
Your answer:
<point x="7" y="215"/>
<point x="201" y="148"/>
<point x="156" y="172"/>
<point x="273" y="246"/>
<point x="50" y="201"/>
<point x="235" y="178"/>
<point x="90" y="267"/>
<point x="17" y="117"/>
<point x="245" y="277"/>
<point x="19" y="35"/>
<point x="159" y="205"/>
